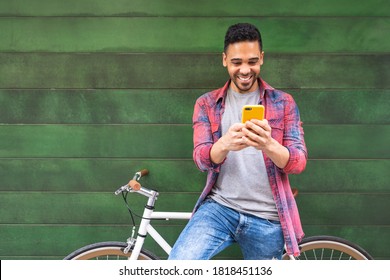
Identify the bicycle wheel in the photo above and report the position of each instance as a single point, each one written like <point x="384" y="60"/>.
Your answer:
<point x="107" y="251"/>
<point x="330" y="248"/>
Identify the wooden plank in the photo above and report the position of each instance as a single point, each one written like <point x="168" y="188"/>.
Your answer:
<point x="106" y="175"/>
<point x="169" y="71"/>
<point x="163" y="141"/>
<point x="173" y="141"/>
<point x="105" y="208"/>
<point x="360" y="176"/>
<point x="347" y="141"/>
<point x="350" y="106"/>
<point x="217" y="8"/>
<point x="57" y="34"/>
<point x="175" y="106"/>
<point x="96" y="208"/>
<point x="344" y="209"/>
<point x="98" y="175"/>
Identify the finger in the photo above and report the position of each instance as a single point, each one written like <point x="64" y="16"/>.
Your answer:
<point x="253" y="127"/>
<point x="262" y="123"/>
<point x="237" y="126"/>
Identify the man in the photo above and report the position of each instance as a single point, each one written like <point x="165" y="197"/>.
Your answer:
<point x="247" y="198"/>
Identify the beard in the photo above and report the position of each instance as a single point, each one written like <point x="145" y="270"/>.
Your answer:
<point x="245" y="84"/>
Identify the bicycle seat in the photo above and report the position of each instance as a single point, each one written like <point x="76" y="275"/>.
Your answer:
<point x="294" y="192"/>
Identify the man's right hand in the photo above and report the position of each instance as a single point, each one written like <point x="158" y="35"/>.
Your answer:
<point x="231" y="141"/>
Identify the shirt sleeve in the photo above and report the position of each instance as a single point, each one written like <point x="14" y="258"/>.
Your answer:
<point x="293" y="139"/>
<point x="203" y="137"/>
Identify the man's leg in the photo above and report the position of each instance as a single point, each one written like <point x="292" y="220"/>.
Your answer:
<point x="206" y="234"/>
<point x="261" y="240"/>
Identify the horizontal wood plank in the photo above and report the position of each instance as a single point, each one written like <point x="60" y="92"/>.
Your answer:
<point x="216" y="8"/>
<point x="15" y="245"/>
<point x="169" y="71"/>
<point x="57" y="34"/>
<point x="353" y="176"/>
<point x="173" y="141"/>
<point x="344" y="209"/>
<point x="175" y="106"/>
<point x="106" y="175"/>
<point x="105" y="208"/>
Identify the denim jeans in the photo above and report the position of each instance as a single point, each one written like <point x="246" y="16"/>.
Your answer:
<point x="214" y="227"/>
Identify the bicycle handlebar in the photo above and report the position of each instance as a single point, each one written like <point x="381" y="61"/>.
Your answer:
<point x="143" y="172"/>
<point x="133" y="184"/>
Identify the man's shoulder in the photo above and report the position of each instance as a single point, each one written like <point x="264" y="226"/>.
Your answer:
<point x="211" y="97"/>
<point x="277" y="95"/>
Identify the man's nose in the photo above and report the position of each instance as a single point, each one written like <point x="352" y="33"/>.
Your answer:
<point x="245" y="69"/>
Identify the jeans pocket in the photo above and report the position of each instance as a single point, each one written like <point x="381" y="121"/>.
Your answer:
<point x="273" y="223"/>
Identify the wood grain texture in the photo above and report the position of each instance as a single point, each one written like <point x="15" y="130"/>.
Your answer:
<point x="164" y="70"/>
<point x="194" y="34"/>
<point x="175" y="8"/>
<point x="175" y="106"/>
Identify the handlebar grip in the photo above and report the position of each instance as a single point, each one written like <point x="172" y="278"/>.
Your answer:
<point x="144" y="172"/>
<point x="133" y="184"/>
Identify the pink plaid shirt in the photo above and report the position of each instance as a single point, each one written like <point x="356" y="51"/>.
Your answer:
<point x="282" y="114"/>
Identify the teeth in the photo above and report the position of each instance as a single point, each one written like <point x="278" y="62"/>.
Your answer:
<point x="244" y="78"/>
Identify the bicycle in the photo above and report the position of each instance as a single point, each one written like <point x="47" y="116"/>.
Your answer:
<point x="311" y="248"/>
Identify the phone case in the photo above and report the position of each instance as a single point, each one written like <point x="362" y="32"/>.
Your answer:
<point x="252" y="112"/>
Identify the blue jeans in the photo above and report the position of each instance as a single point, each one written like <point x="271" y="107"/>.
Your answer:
<point x="214" y="227"/>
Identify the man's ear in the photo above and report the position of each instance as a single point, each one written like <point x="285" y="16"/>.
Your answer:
<point x="261" y="58"/>
<point x="224" y="63"/>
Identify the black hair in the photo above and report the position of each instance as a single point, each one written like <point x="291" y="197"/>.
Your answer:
<point x="242" y="32"/>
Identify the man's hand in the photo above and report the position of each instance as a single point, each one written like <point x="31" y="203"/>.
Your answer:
<point x="257" y="134"/>
<point x="232" y="141"/>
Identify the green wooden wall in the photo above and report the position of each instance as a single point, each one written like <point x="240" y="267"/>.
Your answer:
<point x="93" y="90"/>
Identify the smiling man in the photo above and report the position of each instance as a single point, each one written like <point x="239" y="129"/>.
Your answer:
<point x="247" y="198"/>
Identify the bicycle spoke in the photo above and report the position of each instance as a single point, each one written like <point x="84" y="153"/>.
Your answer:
<point x="330" y="248"/>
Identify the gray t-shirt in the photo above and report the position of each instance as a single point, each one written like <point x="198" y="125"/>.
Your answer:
<point x="243" y="183"/>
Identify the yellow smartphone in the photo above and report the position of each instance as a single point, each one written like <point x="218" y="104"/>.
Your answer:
<point x="252" y="112"/>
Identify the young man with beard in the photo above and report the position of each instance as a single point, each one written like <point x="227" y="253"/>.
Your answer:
<point x="247" y="198"/>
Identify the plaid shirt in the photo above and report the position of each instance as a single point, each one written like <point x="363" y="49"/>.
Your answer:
<point x="283" y="117"/>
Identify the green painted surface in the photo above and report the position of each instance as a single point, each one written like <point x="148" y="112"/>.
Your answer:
<point x="166" y="70"/>
<point x="91" y="91"/>
<point x="91" y="34"/>
<point x="216" y="8"/>
<point x="172" y="141"/>
<point x="174" y="106"/>
<point x="105" y="175"/>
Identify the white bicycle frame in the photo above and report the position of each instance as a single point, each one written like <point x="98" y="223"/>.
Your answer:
<point x="146" y="228"/>
<point x="149" y="214"/>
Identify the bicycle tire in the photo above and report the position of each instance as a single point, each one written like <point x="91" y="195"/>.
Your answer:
<point x="325" y="247"/>
<point x="111" y="250"/>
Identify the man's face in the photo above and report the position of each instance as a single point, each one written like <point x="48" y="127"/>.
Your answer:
<point x="243" y="61"/>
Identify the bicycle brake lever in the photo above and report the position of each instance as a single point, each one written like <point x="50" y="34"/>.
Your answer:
<point x="121" y="189"/>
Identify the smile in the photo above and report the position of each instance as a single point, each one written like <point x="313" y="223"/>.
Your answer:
<point x="245" y="79"/>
